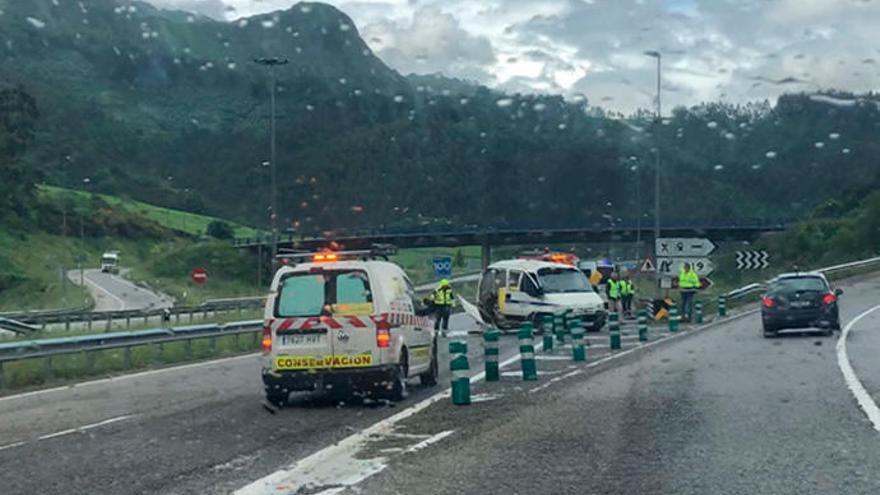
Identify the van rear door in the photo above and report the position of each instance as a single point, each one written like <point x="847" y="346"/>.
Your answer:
<point x="324" y="319"/>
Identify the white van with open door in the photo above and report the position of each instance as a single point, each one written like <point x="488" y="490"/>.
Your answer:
<point x="514" y="291"/>
<point x="345" y="321"/>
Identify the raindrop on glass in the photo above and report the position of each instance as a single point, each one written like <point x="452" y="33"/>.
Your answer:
<point x="712" y="125"/>
<point x="770" y="154"/>
<point x="819" y="145"/>
<point x="834" y="136"/>
<point x="504" y="102"/>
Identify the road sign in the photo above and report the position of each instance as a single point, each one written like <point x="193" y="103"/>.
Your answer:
<point x="648" y="266"/>
<point x="443" y="266"/>
<point x="683" y="246"/>
<point x="672" y="266"/>
<point x="705" y="283"/>
<point x="199" y="275"/>
<point x="752" y="260"/>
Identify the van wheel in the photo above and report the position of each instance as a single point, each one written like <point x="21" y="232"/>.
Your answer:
<point x="429" y="378"/>
<point x="277" y="398"/>
<point x="397" y="390"/>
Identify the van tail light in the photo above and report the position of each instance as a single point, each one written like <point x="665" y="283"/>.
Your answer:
<point x="767" y="302"/>
<point x="383" y="334"/>
<point x="267" y="338"/>
<point x="829" y="298"/>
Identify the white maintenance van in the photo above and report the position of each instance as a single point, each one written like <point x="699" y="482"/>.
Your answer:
<point x="514" y="291"/>
<point x="345" y="322"/>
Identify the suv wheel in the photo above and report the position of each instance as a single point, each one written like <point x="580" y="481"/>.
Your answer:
<point x="429" y="378"/>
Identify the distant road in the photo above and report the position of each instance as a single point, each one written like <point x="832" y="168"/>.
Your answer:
<point x="112" y="292"/>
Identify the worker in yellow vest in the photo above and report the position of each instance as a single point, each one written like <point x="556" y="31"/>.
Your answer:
<point x="442" y="300"/>
<point x="614" y="291"/>
<point x="627" y="293"/>
<point x="688" y="285"/>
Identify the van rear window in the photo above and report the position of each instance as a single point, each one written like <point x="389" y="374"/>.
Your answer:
<point x="326" y="292"/>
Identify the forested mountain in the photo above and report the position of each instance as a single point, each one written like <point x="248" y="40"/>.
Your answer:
<point x="169" y="108"/>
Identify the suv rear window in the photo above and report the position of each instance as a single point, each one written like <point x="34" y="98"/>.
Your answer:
<point x="791" y="285"/>
<point x="326" y="292"/>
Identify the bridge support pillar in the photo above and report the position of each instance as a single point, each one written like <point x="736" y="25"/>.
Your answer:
<point x="485" y="255"/>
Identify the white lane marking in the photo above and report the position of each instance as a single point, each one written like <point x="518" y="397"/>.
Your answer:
<point x="11" y="445"/>
<point x="334" y="463"/>
<point x="337" y="465"/>
<point x="126" y="377"/>
<point x="69" y="431"/>
<point x="428" y="441"/>
<point x="849" y="375"/>
<point x="105" y="291"/>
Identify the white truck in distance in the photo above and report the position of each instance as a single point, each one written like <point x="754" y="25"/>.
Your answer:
<point x="110" y="262"/>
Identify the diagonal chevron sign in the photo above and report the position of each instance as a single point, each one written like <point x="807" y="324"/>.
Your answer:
<point x="752" y="260"/>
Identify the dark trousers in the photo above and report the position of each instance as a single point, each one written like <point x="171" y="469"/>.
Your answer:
<point x="627" y="303"/>
<point x="687" y="303"/>
<point x="441" y="317"/>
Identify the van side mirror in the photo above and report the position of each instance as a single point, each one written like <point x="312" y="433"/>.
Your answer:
<point x="838" y="292"/>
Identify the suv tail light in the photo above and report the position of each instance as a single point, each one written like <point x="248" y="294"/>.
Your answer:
<point x="383" y="334"/>
<point x="267" y="338"/>
<point x="767" y="302"/>
<point x="829" y="298"/>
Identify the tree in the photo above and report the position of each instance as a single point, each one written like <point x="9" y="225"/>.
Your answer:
<point x="18" y="116"/>
<point x="220" y="230"/>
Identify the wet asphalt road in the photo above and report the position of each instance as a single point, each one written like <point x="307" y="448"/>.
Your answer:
<point x="719" y="411"/>
<point x="723" y="411"/>
<point x="112" y="292"/>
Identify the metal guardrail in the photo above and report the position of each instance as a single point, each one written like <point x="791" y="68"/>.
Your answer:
<point x="39" y="318"/>
<point x="828" y="270"/>
<point x="47" y="348"/>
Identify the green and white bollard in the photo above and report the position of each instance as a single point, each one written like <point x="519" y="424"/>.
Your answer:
<point x="559" y="328"/>
<point x="614" y="330"/>
<point x="643" y="325"/>
<point x="578" y="347"/>
<point x="698" y="308"/>
<point x="461" y="381"/>
<point x="490" y="344"/>
<point x="722" y="305"/>
<point x="673" y="318"/>
<point x="547" y="327"/>
<point x="527" y="353"/>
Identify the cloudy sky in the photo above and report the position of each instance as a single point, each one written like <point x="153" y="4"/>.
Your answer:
<point x="732" y="50"/>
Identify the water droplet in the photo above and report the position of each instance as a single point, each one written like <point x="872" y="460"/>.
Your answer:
<point x="268" y="24"/>
<point x="243" y="23"/>
<point x="463" y="101"/>
<point x="344" y="27"/>
<point x="539" y="107"/>
<point x="305" y="9"/>
<point x="819" y="144"/>
<point x="504" y="102"/>
<point x="398" y="99"/>
<point x="846" y="151"/>
<point x="718" y="167"/>
<point x="770" y="154"/>
<point x="366" y="52"/>
<point x="310" y="108"/>
<point x="834" y="136"/>
<point x="357" y="208"/>
<point x="343" y="81"/>
<point x="712" y="125"/>
<point x="482" y="134"/>
<point x="358" y="92"/>
<point x="36" y="22"/>
<point x="231" y="65"/>
<point x="561" y="127"/>
<point x="756" y="166"/>
<point x="730" y="136"/>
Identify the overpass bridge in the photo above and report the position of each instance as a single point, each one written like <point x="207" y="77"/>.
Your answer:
<point x="487" y="237"/>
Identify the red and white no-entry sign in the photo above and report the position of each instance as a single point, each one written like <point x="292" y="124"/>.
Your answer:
<point x="199" y="275"/>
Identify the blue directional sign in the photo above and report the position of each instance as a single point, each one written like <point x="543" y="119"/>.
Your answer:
<point x="443" y="266"/>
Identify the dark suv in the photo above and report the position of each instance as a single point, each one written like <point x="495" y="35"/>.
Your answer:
<point x="800" y="300"/>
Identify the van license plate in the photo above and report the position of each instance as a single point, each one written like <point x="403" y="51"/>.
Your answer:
<point x="300" y="339"/>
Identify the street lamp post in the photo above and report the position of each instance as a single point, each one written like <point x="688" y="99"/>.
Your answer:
<point x="658" y="56"/>
<point x="82" y="239"/>
<point x="272" y="63"/>
<point x="635" y="170"/>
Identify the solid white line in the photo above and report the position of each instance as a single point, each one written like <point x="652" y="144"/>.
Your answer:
<point x="105" y="291"/>
<point x="78" y="429"/>
<point x="428" y="441"/>
<point x="127" y="377"/>
<point x="849" y="375"/>
<point x="11" y="445"/>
